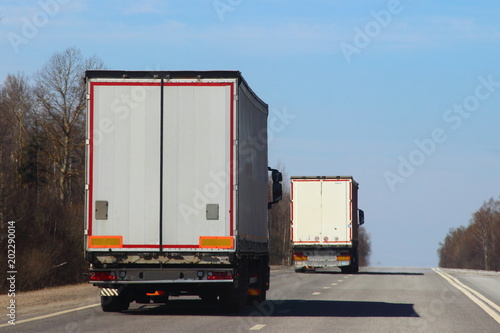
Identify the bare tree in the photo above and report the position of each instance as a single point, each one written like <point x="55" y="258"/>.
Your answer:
<point x="483" y="229"/>
<point x="365" y="247"/>
<point x="60" y="93"/>
<point x="279" y="225"/>
<point x="476" y="246"/>
<point x="16" y="105"/>
<point x="42" y="140"/>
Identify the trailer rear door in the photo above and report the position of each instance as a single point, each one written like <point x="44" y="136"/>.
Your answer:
<point x="321" y="211"/>
<point x="197" y="172"/>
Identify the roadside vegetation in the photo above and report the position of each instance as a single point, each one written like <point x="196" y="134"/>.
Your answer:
<point x="476" y="246"/>
<point x="42" y="171"/>
<point x="365" y="247"/>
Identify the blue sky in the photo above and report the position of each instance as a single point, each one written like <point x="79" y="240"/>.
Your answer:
<point x="402" y="95"/>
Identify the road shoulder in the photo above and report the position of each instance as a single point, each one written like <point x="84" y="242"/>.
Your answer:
<point x="48" y="300"/>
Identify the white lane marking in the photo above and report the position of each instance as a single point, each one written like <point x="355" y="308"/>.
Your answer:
<point x="474" y="295"/>
<point x="334" y="284"/>
<point x="257" y="327"/>
<point x="326" y="287"/>
<point x="340" y="280"/>
<point x="52" y="314"/>
<point x="478" y="294"/>
<point x="316" y="293"/>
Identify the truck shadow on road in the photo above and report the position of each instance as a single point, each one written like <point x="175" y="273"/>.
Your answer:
<point x="283" y="308"/>
<point x="365" y="273"/>
<point x="329" y="308"/>
<point x="388" y="273"/>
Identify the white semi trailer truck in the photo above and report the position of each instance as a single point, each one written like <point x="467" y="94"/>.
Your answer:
<point x="177" y="187"/>
<point x="324" y="221"/>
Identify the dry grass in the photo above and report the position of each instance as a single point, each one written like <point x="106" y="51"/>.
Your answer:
<point x="39" y="302"/>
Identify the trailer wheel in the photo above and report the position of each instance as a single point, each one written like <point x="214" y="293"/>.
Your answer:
<point x="235" y="301"/>
<point x="208" y="298"/>
<point x="355" y="264"/>
<point x="346" y="269"/>
<point x="114" y="303"/>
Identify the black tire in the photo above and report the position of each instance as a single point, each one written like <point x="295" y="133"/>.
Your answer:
<point x="236" y="301"/>
<point x="263" y="295"/>
<point x="209" y="298"/>
<point x="346" y="269"/>
<point x="355" y="264"/>
<point x="265" y="282"/>
<point x="114" y="303"/>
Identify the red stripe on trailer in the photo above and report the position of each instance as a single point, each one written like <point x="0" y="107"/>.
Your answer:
<point x="91" y="159"/>
<point x="306" y="242"/>
<point x="350" y="211"/>
<point x="231" y="151"/>
<point x="321" y="179"/>
<point x="231" y="159"/>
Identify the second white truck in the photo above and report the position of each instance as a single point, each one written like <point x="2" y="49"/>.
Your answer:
<point x="324" y="220"/>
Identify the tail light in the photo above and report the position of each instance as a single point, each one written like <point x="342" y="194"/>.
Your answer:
<point x="344" y="256"/>
<point x="102" y="276"/>
<point x="299" y="256"/>
<point x="219" y="276"/>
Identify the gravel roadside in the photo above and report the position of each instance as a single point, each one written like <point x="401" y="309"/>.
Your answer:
<point x="49" y="300"/>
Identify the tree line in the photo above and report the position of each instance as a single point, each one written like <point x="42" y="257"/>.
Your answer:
<point x="476" y="246"/>
<point x="42" y="175"/>
<point x="42" y="170"/>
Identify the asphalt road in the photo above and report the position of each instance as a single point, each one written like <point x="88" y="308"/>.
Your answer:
<point x="375" y="300"/>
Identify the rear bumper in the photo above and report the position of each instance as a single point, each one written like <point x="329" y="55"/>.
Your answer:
<point x="320" y="263"/>
<point x="321" y="257"/>
<point x="138" y="276"/>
